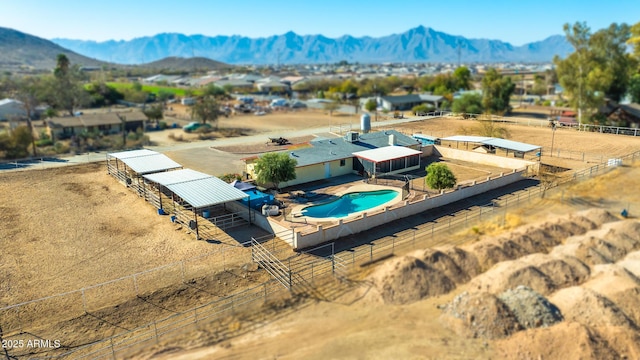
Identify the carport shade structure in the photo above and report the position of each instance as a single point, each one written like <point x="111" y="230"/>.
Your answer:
<point x="388" y="159"/>
<point x="197" y="189"/>
<point x="515" y="146"/>
<point x="140" y="162"/>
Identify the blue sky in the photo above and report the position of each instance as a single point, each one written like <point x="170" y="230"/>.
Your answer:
<point x="514" y="21"/>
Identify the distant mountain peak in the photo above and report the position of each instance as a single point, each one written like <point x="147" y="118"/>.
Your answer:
<point x="418" y="44"/>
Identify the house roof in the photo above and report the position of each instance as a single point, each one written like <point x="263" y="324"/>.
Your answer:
<point x="134" y="115"/>
<point x="7" y="101"/>
<point x="198" y="189"/>
<point x="386" y="153"/>
<point x="61" y="122"/>
<point x="100" y="119"/>
<point x="632" y="109"/>
<point x="145" y="161"/>
<point x="412" y="98"/>
<point x="325" y="150"/>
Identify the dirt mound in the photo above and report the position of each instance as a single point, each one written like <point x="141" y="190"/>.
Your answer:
<point x="562" y="270"/>
<point x="561" y="341"/>
<point x="530" y="308"/>
<point x="407" y="279"/>
<point x="511" y="274"/>
<point x="540" y="237"/>
<point x="480" y="315"/>
<point x="631" y="262"/>
<point x="442" y="262"/>
<point x="597" y="216"/>
<point x="620" y="286"/>
<point x="488" y="253"/>
<point x="589" y="308"/>
<point x="465" y="260"/>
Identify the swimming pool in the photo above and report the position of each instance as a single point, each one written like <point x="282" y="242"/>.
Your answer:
<point x="350" y="203"/>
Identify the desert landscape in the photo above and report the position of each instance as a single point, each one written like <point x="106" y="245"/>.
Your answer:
<point x="72" y="228"/>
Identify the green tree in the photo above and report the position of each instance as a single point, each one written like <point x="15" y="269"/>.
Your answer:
<point x="634" y="88"/>
<point x="462" y="78"/>
<point x="439" y="177"/>
<point x="331" y="106"/>
<point x="215" y="91"/>
<point x="275" y="168"/>
<point x="422" y="109"/>
<point x="29" y="94"/>
<point x="164" y="95"/>
<point x="468" y="104"/>
<point x="599" y="67"/>
<point x="154" y="113"/>
<point x="64" y="90"/>
<point x="371" y="105"/>
<point x="634" y="40"/>
<point x="206" y="109"/>
<point x="496" y="92"/>
<point x="609" y="47"/>
<point x="16" y="143"/>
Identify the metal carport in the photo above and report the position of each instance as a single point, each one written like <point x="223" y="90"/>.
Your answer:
<point x="197" y="189"/>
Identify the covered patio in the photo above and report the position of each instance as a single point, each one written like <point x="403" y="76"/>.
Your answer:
<point x="188" y="194"/>
<point x="388" y="160"/>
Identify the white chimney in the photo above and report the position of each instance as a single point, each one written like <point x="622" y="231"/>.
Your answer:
<point x="392" y="140"/>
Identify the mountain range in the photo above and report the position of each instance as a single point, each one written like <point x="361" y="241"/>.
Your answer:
<point x="20" y="51"/>
<point x="420" y="44"/>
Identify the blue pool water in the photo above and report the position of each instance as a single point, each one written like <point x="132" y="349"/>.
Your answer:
<point x="350" y="203"/>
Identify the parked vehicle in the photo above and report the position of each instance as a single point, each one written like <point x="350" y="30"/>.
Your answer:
<point x="298" y="105"/>
<point x="193" y="126"/>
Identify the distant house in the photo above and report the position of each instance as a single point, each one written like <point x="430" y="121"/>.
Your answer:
<point x="406" y="102"/>
<point x="105" y="123"/>
<point x="327" y="158"/>
<point x="272" y="87"/>
<point x="625" y="115"/>
<point x="10" y="108"/>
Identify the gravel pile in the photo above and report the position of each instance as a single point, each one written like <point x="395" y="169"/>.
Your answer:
<point x="530" y="308"/>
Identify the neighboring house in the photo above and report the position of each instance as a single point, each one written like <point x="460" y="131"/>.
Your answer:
<point x="407" y="102"/>
<point x="10" y="108"/>
<point x="272" y="87"/>
<point x="625" y="115"/>
<point x="340" y="156"/>
<point x="105" y="123"/>
<point x="236" y="84"/>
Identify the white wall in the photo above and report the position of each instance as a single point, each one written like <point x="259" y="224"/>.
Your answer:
<point x="367" y="221"/>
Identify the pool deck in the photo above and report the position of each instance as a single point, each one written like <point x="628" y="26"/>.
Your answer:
<point x="296" y="211"/>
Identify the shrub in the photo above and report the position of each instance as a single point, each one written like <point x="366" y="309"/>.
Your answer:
<point x="439" y="177"/>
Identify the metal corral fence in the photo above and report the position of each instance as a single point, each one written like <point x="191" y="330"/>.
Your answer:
<point x="221" y="311"/>
<point x="21" y="317"/>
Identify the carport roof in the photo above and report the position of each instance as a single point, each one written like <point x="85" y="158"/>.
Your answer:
<point x="145" y="161"/>
<point x="499" y="143"/>
<point x="511" y="145"/>
<point x="386" y="153"/>
<point x="198" y="189"/>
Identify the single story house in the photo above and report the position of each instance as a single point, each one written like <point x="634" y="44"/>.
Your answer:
<point x="327" y="158"/>
<point x="106" y="123"/>
<point x="10" y="109"/>
<point x="625" y="115"/>
<point x="407" y="102"/>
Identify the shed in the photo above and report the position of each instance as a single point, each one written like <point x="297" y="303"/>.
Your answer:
<point x="195" y="190"/>
<point x="389" y="160"/>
